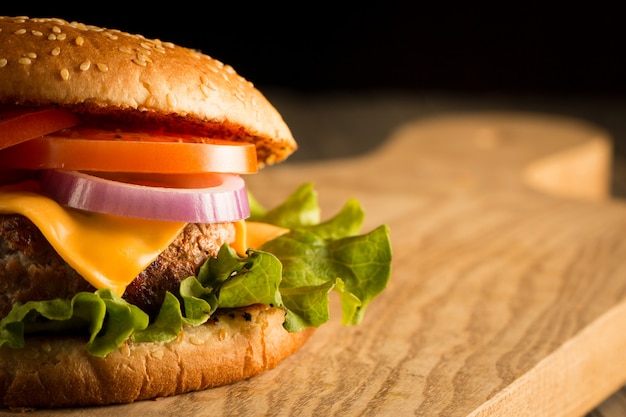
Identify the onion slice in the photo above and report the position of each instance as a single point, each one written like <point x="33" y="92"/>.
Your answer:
<point x="225" y="200"/>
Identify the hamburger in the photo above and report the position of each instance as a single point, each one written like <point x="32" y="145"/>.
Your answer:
<point x="134" y="262"/>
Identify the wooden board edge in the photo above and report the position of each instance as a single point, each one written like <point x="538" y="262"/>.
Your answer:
<point x="580" y="374"/>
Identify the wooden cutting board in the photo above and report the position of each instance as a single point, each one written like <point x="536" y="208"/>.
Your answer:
<point x="508" y="291"/>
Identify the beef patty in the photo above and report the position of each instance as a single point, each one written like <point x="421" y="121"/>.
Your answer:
<point x="30" y="269"/>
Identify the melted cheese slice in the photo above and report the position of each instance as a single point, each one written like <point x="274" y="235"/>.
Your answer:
<point x="108" y="251"/>
<point x="254" y="235"/>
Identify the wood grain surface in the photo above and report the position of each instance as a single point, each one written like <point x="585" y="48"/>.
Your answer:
<point x="508" y="290"/>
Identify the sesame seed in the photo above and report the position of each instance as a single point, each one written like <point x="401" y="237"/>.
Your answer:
<point x="24" y="61"/>
<point x="196" y="340"/>
<point x="37" y="33"/>
<point x="102" y="67"/>
<point x="85" y="65"/>
<point x="143" y="57"/>
<point x="65" y="74"/>
<point x="52" y="37"/>
<point x="3" y="62"/>
<point x="61" y="36"/>
<point x="221" y="335"/>
<point x="157" y="354"/>
<point x="56" y="51"/>
<point x="139" y="61"/>
<point x="206" y="91"/>
<point x="56" y="29"/>
<point x="125" y="50"/>
<point x="20" y="31"/>
<point x="111" y="36"/>
<point x="125" y="350"/>
<point x="31" y="55"/>
<point x="240" y="96"/>
<point x="79" y="40"/>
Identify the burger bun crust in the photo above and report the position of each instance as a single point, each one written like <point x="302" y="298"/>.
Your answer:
<point x="59" y="372"/>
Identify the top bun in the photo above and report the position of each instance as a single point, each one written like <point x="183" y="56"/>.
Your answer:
<point x="113" y="74"/>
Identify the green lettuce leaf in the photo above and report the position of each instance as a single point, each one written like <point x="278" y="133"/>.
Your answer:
<point x="296" y="271"/>
<point x="108" y="318"/>
<point x="167" y="325"/>
<point x="255" y="280"/>
<point x="358" y="267"/>
<point x="299" y="209"/>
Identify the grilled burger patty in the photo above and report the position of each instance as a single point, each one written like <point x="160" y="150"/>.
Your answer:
<point x="30" y="269"/>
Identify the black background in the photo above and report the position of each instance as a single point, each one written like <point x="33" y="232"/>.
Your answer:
<point x="354" y="71"/>
<point x="316" y="47"/>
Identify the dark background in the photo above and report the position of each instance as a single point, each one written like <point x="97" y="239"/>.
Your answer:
<point x="344" y="77"/>
<point x="312" y="47"/>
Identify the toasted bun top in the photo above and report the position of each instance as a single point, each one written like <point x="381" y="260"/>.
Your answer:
<point x="111" y="73"/>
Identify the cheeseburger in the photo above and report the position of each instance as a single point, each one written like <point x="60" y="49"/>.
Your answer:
<point x="134" y="263"/>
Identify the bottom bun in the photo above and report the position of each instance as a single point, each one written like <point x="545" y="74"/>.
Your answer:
<point x="59" y="372"/>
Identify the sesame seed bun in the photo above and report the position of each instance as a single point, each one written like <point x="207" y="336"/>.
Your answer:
<point x="110" y="76"/>
<point x="112" y="73"/>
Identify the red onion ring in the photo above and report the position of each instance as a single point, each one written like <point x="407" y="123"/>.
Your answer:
<point x="226" y="201"/>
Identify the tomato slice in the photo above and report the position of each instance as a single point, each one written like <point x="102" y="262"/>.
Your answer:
<point x="107" y="151"/>
<point x="18" y="125"/>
